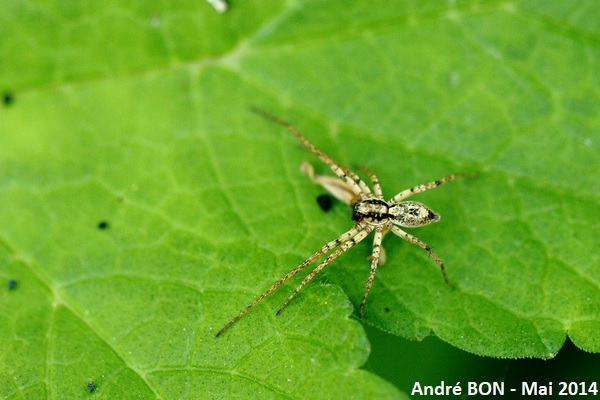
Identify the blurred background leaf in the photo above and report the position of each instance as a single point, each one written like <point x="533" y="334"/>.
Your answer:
<point x="142" y="206"/>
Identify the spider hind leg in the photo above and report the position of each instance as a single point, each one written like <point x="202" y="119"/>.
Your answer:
<point x="414" y="240"/>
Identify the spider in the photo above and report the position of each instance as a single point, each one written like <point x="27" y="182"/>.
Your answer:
<point x="371" y="212"/>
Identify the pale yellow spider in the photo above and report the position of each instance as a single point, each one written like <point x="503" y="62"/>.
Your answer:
<point x="371" y="213"/>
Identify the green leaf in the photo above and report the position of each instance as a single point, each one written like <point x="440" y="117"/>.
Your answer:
<point x="142" y="206"/>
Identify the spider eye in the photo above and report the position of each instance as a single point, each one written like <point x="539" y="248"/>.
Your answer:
<point x="412" y="214"/>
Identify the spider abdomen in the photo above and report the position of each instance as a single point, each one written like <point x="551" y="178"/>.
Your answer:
<point x="412" y="214"/>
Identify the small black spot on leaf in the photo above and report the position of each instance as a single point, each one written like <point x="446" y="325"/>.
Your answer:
<point x="103" y="225"/>
<point x="325" y="202"/>
<point x="12" y="284"/>
<point x="8" y="98"/>
<point x="387" y="309"/>
<point x="91" y="387"/>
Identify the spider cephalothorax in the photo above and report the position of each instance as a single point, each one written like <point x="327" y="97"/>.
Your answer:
<point x="371" y="213"/>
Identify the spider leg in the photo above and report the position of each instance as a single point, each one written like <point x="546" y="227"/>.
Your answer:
<point x="414" y="240"/>
<point x="356" y="179"/>
<point x="352" y="180"/>
<point x="325" y="249"/>
<point x="426" y="186"/>
<point x="374" y="180"/>
<point x="383" y="255"/>
<point x="365" y="230"/>
<point x="374" y="265"/>
<point x="337" y="187"/>
<point x="382" y="252"/>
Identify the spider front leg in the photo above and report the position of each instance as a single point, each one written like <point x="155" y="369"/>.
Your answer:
<point x="414" y="240"/>
<point x="337" y="187"/>
<point x="350" y="178"/>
